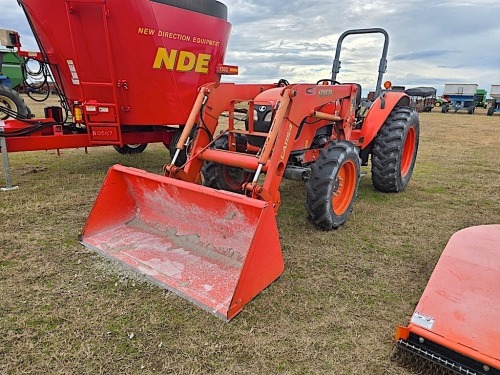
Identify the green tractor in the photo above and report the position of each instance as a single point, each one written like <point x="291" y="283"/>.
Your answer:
<point x="481" y="98"/>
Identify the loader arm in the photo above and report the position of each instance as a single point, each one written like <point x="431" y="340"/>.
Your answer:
<point x="294" y="103"/>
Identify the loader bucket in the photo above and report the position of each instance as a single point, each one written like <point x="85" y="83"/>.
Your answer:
<point x="215" y="248"/>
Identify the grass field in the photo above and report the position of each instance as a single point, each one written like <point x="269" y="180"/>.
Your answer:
<point x="65" y="310"/>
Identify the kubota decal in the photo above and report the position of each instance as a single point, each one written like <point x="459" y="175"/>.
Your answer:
<point x="328" y="92"/>
<point x="287" y="139"/>
<point x="181" y="61"/>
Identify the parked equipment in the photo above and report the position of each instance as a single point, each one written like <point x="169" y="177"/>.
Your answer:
<point x="11" y="78"/>
<point x="218" y="245"/>
<point x="495" y="103"/>
<point x="462" y="97"/>
<point x="442" y="101"/>
<point x="127" y="70"/>
<point x="422" y="98"/>
<point x="454" y="324"/>
<point x="481" y="98"/>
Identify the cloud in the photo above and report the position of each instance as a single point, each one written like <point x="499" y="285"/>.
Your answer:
<point x="423" y="55"/>
<point x="430" y="43"/>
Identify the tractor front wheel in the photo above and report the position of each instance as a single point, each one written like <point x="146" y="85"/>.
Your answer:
<point x="11" y="100"/>
<point x="333" y="185"/>
<point x="225" y="177"/>
<point x="395" y="150"/>
<point x="131" y="149"/>
<point x="491" y="110"/>
<point x="437" y="104"/>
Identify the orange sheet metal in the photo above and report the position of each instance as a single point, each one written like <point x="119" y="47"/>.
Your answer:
<point x="215" y="248"/>
<point x="460" y="307"/>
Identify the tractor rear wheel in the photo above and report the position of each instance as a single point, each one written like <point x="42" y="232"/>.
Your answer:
<point x="395" y="150"/>
<point x="131" y="149"/>
<point x="333" y="185"/>
<point x="11" y="100"/>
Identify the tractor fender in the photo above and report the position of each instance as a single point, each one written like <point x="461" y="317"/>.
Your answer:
<point x="378" y="113"/>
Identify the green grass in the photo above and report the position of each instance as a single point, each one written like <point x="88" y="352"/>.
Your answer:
<point x="65" y="310"/>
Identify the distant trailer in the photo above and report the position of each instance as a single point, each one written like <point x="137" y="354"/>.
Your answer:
<point x="462" y="97"/>
<point x="422" y="98"/>
<point x="495" y="103"/>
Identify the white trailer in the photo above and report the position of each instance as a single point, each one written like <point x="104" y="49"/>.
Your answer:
<point x="495" y="104"/>
<point x="460" y="89"/>
<point x="461" y="95"/>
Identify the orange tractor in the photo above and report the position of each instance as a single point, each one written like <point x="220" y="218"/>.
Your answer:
<point x="207" y="230"/>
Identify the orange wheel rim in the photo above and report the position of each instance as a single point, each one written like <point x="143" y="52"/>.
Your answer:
<point x="408" y="151"/>
<point x="345" y="186"/>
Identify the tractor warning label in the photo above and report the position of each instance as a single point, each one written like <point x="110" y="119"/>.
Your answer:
<point x="74" y="74"/>
<point x="422" y="320"/>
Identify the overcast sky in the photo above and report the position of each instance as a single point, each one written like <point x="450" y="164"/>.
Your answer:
<point x="431" y="43"/>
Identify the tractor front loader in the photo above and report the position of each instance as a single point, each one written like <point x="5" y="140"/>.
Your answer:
<point x="207" y="230"/>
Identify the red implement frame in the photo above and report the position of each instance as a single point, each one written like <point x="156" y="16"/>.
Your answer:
<point x="131" y="67"/>
<point x="460" y="306"/>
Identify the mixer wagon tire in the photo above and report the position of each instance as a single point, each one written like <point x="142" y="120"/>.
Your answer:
<point x="395" y="150"/>
<point x="333" y="185"/>
<point x="131" y="149"/>
<point x="182" y="158"/>
<point x="11" y="100"/>
<point x="490" y="112"/>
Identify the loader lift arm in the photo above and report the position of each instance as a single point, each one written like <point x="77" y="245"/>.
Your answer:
<point x="293" y="104"/>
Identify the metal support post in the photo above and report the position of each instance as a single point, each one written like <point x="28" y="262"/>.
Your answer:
<point x="6" y="165"/>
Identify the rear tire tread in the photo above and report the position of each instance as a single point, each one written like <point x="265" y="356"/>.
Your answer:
<point x="388" y="150"/>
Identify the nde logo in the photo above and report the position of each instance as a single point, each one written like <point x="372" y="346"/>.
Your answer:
<point x="181" y="61"/>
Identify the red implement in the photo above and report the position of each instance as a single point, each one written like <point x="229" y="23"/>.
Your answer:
<point x="215" y="248"/>
<point x="455" y="322"/>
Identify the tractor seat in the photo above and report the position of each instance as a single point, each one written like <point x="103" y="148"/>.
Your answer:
<point x="357" y="105"/>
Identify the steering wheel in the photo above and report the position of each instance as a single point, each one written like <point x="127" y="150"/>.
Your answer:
<point x="328" y="80"/>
